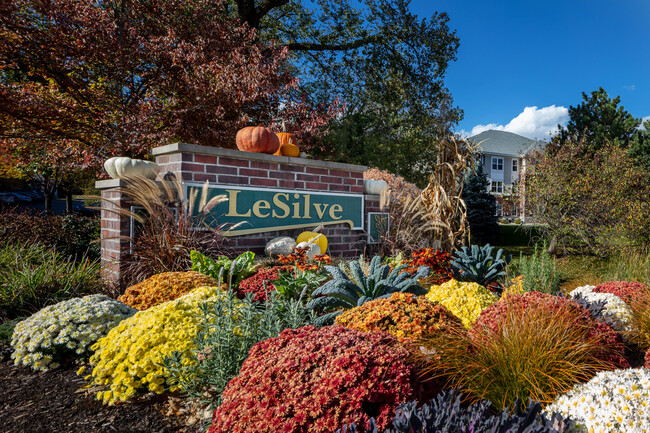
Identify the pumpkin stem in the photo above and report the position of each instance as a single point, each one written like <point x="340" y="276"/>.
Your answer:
<point x="284" y="127"/>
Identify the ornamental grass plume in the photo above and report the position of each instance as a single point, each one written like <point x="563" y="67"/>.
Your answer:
<point x="640" y="323"/>
<point x="164" y="287"/>
<point x="529" y="352"/>
<point x="408" y="317"/>
<point x="316" y="380"/>
<point x="610" y="349"/>
<point x="128" y="359"/>
<point x="169" y="225"/>
<point x="465" y="300"/>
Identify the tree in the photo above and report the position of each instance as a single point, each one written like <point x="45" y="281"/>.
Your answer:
<point x="599" y="120"/>
<point x="82" y="80"/>
<point x="387" y="65"/>
<point x="481" y="208"/>
<point x="598" y="199"/>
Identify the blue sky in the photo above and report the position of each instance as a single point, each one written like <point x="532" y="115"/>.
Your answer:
<point x="515" y="55"/>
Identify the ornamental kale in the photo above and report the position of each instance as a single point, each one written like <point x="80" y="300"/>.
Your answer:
<point x="478" y="265"/>
<point x="342" y="292"/>
<point x="446" y="414"/>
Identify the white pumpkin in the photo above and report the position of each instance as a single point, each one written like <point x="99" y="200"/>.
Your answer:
<point x="121" y="167"/>
<point x="374" y="187"/>
<point x="312" y="249"/>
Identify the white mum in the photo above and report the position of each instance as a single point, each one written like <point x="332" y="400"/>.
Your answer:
<point x="616" y="313"/>
<point x="65" y="330"/>
<point x="612" y="402"/>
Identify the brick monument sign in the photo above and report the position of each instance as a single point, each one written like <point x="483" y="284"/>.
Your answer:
<point x="269" y="195"/>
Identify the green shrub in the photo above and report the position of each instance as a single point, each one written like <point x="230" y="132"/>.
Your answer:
<point x="539" y="271"/>
<point x="228" y="328"/>
<point x="7" y="330"/>
<point x="33" y="276"/>
<point x="71" y="235"/>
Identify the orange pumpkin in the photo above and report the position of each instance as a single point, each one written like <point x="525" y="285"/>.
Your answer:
<point x="257" y="139"/>
<point x="285" y="137"/>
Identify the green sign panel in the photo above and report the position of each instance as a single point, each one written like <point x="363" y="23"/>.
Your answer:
<point x="378" y="226"/>
<point x="258" y="210"/>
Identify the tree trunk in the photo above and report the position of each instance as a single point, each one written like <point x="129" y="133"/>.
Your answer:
<point x="552" y="247"/>
<point x="68" y="202"/>
<point x="48" y="200"/>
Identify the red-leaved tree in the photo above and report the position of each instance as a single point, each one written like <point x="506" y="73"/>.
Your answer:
<point x="83" y="80"/>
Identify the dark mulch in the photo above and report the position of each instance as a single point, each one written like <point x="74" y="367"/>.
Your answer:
<point x="56" y="401"/>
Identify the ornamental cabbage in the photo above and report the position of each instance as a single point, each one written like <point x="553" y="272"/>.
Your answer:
<point x="612" y="402"/>
<point x="464" y="300"/>
<point x="65" y="330"/>
<point x="128" y="359"/>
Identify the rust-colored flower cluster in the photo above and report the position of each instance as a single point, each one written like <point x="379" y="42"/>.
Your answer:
<point x="436" y="260"/>
<point x="300" y="260"/>
<point x="626" y="290"/>
<point x="404" y="315"/>
<point x="256" y="283"/>
<point x="164" y="287"/>
<point x="611" y="348"/>
<point x="316" y="380"/>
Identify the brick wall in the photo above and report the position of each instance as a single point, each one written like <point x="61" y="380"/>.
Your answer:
<point x="232" y="167"/>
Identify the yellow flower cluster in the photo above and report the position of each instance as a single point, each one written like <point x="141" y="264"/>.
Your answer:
<point x="127" y="359"/>
<point x="164" y="287"/>
<point x="514" y="287"/>
<point x="465" y="300"/>
<point x="404" y="315"/>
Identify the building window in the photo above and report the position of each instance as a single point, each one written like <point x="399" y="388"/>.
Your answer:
<point x="497" y="163"/>
<point x="481" y="159"/>
<point x="498" y="209"/>
<point x="515" y="165"/>
<point x="497" y="186"/>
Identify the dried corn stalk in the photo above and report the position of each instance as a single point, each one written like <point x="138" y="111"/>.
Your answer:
<point x="442" y="196"/>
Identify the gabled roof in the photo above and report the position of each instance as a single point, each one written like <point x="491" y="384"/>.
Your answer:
<point x="504" y="143"/>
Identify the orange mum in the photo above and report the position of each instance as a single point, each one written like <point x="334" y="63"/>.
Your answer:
<point x="164" y="287"/>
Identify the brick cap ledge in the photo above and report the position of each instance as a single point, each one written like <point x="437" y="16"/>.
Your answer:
<point x="252" y="156"/>
<point x="109" y="183"/>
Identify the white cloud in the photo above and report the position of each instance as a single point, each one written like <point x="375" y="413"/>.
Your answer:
<point x="531" y="123"/>
<point x="631" y="87"/>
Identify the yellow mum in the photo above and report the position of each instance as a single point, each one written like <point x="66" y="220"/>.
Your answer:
<point x="127" y="358"/>
<point x="465" y="300"/>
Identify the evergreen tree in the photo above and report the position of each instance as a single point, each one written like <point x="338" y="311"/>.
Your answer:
<point x="481" y="208"/>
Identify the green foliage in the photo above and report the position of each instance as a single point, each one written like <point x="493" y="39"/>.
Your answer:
<point x="224" y="269"/>
<point x="478" y="265"/>
<point x="629" y="265"/>
<point x="297" y="284"/>
<point x="7" y="330"/>
<point x="388" y="64"/>
<point x="228" y="329"/>
<point x="71" y="235"/>
<point x="33" y="276"/>
<point x="539" y="271"/>
<point x="342" y="292"/>
<point x="598" y="200"/>
<point x="481" y="208"/>
<point x="599" y="120"/>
